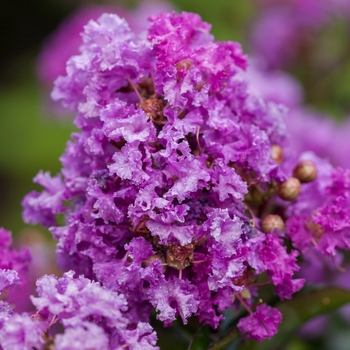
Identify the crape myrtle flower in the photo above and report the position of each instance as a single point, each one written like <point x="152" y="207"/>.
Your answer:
<point x="92" y="317"/>
<point x="14" y="269"/>
<point x="65" y="41"/>
<point x="8" y="278"/>
<point x="164" y="187"/>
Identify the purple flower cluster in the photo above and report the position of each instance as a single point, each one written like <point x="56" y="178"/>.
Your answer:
<point x="174" y="192"/>
<point x="311" y="136"/>
<point x="66" y="39"/>
<point x="92" y="318"/>
<point x="290" y="26"/>
<point x="13" y="268"/>
<point x="317" y="220"/>
<point x="171" y="138"/>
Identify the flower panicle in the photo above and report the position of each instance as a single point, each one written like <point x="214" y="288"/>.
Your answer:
<point x="179" y="191"/>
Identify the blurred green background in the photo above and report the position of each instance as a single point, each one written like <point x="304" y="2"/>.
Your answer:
<point x="32" y="138"/>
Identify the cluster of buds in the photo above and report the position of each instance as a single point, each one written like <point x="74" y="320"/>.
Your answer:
<point x="259" y="202"/>
<point x="304" y="172"/>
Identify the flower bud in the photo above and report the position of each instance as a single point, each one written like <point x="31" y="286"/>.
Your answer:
<point x="277" y="153"/>
<point x="290" y="189"/>
<point x="272" y="222"/>
<point x="305" y="171"/>
<point x="179" y="257"/>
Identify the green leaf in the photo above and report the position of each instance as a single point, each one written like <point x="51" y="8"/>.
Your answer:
<point x="302" y="308"/>
<point x="201" y="340"/>
<point x="229" y="339"/>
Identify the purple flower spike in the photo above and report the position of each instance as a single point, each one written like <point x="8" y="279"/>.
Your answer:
<point x="165" y="188"/>
<point x="171" y="137"/>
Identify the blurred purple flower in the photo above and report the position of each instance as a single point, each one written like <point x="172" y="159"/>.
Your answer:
<point x="284" y="27"/>
<point x="308" y="129"/>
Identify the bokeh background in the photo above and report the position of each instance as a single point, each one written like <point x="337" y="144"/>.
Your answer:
<point x="33" y="132"/>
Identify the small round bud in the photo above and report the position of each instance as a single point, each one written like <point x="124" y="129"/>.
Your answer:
<point x="305" y="171"/>
<point x="277" y="153"/>
<point x="290" y="189"/>
<point x="272" y="222"/>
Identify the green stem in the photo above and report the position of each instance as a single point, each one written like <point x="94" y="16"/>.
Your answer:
<point x="223" y="343"/>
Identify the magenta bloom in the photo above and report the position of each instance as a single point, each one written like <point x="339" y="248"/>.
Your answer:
<point x="90" y="315"/>
<point x="168" y="125"/>
<point x="14" y="266"/>
<point x="165" y="187"/>
<point x="66" y="40"/>
<point x="262" y="324"/>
